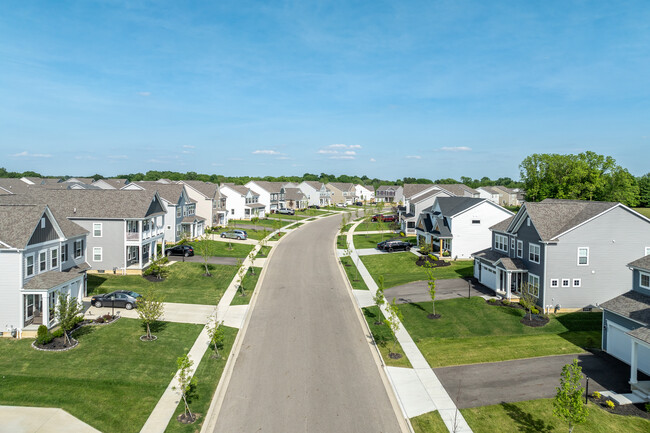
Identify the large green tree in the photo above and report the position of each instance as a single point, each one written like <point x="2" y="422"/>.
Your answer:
<point x="644" y="190"/>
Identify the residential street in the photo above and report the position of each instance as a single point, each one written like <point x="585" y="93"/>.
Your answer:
<point x="305" y="364"/>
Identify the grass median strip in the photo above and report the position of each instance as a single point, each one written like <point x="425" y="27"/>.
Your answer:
<point x="271" y="223"/>
<point x="384" y="338"/>
<point x="353" y="275"/>
<point x="263" y="252"/>
<point x="430" y="422"/>
<point x="111" y="369"/>
<point x="470" y="331"/>
<point x="184" y="284"/>
<point x="400" y="268"/>
<point x="249" y="283"/>
<point x="208" y="374"/>
<point x="341" y="242"/>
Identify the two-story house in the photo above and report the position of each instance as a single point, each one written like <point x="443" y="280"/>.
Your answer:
<point x="417" y="198"/>
<point x="509" y="196"/>
<point x="270" y="193"/>
<point x="242" y="202"/>
<point x="364" y="193"/>
<point x="626" y="325"/>
<point x="341" y="192"/>
<point x="457" y="227"/>
<point x="459" y="190"/>
<point x="489" y="193"/>
<point x="569" y="254"/>
<point x="41" y="256"/>
<point x="390" y="194"/>
<point x="293" y="198"/>
<point x="316" y="192"/>
<point x="209" y="202"/>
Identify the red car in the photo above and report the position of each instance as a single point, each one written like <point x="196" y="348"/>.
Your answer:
<point x="384" y="218"/>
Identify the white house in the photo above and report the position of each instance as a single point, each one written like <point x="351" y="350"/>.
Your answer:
<point x="270" y="193"/>
<point x="364" y="192"/>
<point x="241" y="202"/>
<point x="317" y="193"/>
<point x="489" y="193"/>
<point x="415" y="204"/>
<point x="459" y="226"/>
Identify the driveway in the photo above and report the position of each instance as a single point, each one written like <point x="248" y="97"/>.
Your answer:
<point x="199" y="259"/>
<point x="418" y="291"/>
<point x="173" y="312"/>
<point x="528" y="379"/>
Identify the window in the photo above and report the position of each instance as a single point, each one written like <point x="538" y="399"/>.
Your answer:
<point x="476" y="221"/>
<point x="644" y="280"/>
<point x="512" y="244"/>
<point x="533" y="285"/>
<point x="178" y="212"/>
<point x="565" y="282"/>
<point x="97" y="254"/>
<point x="54" y="257"/>
<point x="78" y="249"/>
<point x="555" y="282"/>
<point x="533" y="253"/>
<point x="577" y="282"/>
<point x="583" y="256"/>
<point x="43" y="222"/>
<point x="647" y="251"/>
<point x="64" y="253"/>
<point x="501" y="242"/>
<point x="232" y="211"/>
<point x="42" y="261"/>
<point x="520" y="249"/>
<point x="528" y="221"/>
<point x="29" y="265"/>
<point x="51" y="304"/>
<point x="97" y="230"/>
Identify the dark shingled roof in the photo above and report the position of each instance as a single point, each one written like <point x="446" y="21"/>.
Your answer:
<point x="503" y="225"/>
<point x="510" y="264"/>
<point x="633" y="305"/>
<point x="553" y="217"/>
<point x="451" y="206"/>
<point x="443" y="229"/>
<point x="425" y="196"/>
<point x="15" y="186"/>
<point x="410" y="189"/>
<point x="643" y="263"/>
<point x="426" y="220"/>
<point x="489" y="255"/>
<point x="49" y="279"/>
<point x="642" y="334"/>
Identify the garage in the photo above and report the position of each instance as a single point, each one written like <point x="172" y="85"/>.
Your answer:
<point x="619" y="345"/>
<point x="488" y="277"/>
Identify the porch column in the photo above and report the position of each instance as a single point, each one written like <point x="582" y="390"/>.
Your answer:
<point x="140" y="255"/>
<point x="633" y="362"/>
<point x="46" y="309"/>
<point x="508" y="283"/>
<point x="140" y="229"/>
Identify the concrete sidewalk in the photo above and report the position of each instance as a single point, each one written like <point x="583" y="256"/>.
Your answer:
<point x="21" y="419"/>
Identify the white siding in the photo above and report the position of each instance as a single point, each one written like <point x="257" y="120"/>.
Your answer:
<point x="11" y="265"/>
<point x="470" y="238"/>
<point x="619" y="345"/>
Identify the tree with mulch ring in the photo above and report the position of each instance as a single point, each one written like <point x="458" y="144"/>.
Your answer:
<point x="379" y="299"/>
<point x="187" y="387"/>
<point x="150" y="310"/>
<point x="431" y="282"/>
<point x="203" y="247"/>
<point x="433" y="262"/>
<point x="53" y="341"/>
<point x="534" y="321"/>
<point x="393" y="320"/>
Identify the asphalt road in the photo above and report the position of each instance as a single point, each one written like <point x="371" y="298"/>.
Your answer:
<point x="305" y="365"/>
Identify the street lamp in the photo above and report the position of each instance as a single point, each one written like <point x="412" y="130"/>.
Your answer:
<point x="587" y="390"/>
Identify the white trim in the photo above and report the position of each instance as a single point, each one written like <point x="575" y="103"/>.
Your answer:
<point x="539" y="252"/>
<point x="566" y="282"/>
<point x="647" y="251"/>
<point x="97" y="250"/>
<point x="578" y="256"/>
<point x="579" y="282"/>
<point x="504" y="242"/>
<point x="44" y="253"/>
<point x="54" y="253"/>
<point x="641" y="275"/>
<point x="520" y="249"/>
<point x="27" y="256"/>
<point x="532" y="285"/>
<point x="555" y="283"/>
<point x="101" y="230"/>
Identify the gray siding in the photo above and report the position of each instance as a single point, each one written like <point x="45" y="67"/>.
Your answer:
<point x="614" y="239"/>
<point x="111" y="242"/>
<point x="47" y="233"/>
<point x="155" y="207"/>
<point x="636" y="282"/>
<point x="529" y="235"/>
<point x="619" y="320"/>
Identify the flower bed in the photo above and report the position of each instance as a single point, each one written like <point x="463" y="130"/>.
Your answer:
<point x="55" y="341"/>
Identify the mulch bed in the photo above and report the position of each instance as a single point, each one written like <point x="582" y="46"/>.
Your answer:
<point x="186" y="419"/>
<point x="433" y="316"/>
<point x="392" y="355"/>
<point x="422" y="260"/>
<point x="499" y="303"/>
<point x="637" y="409"/>
<point x="153" y="278"/>
<point x="535" y="321"/>
<point x="56" y="345"/>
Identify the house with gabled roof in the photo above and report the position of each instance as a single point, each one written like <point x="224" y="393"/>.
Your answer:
<point x="489" y="193"/>
<point x="293" y="198"/>
<point x="242" y="202"/>
<point x="110" y="183"/>
<point x="457" y="227"/>
<point x="341" y="192"/>
<point x="418" y="201"/>
<point x="459" y="190"/>
<point x="569" y="254"/>
<point x="509" y="196"/>
<point x="364" y="193"/>
<point x="42" y="254"/>
<point x="626" y="325"/>
<point x="209" y="202"/>
<point x="124" y="226"/>
<point x="316" y="192"/>
<point x="270" y="193"/>
<point x="390" y="194"/>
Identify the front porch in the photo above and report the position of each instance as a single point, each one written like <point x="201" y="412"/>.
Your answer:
<point x="640" y="344"/>
<point x="138" y="257"/>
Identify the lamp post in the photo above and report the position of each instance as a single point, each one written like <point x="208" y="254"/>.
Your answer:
<point x="587" y="390"/>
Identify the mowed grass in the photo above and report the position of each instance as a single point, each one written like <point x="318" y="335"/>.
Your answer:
<point x="263" y="252"/>
<point x="351" y="271"/>
<point x="185" y="283"/>
<point x="342" y="242"/>
<point x="471" y="331"/>
<point x="111" y="381"/>
<point x="311" y="212"/>
<point x="296" y="217"/>
<point x="207" y="375"/>
<point x="249" y="283"/>
<point x="273" y="224"/>
<point x="400" y="268"/>
<point x="430" y="422"/>
<point x="222" y="249"/>
<point x="371" y="240"/>
<point x="384" y="338"/>
<point x="370" y="226"/>
<point x="645" y="211"/>
<point x="537" y="416"/>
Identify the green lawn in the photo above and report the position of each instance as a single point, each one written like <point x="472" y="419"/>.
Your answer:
<point x="223" y="249"/>
<point x="207" y="377"/>
<point x="311" y="212"/>
<point x="470" y="331"/>
<point x="347" y="227"/>
<point x="184" y="284"/>
<point x="273" y="224"/>
<point x="341" y="242"/>
<point x="250" y="281"/>
<point x="371" y="241"/>
<point x="537" y="416"/>
<point x="351" y="271"/>
<point x="277" y="236"/>
<point x="296" y="217"/>
<point x="400" y="268"/>
<point x="111" y="381"/>
<point x="384" y="338"/>
<point x="295" y="226"/>
<point x="370" y="226"/>
<point x="263" y="252"/>
<point x="430" y="422"/>
<point x="645" y="211"/>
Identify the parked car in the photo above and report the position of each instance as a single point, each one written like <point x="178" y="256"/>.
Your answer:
<point x="285" y="211"/>
<point x="358" y="203"/>
<point x="118" y="298"/>
<point x="341" y="205"/>
<point x="394" y="245"/>
<point x="314" y="206"/>
<point x="235" y="234"/>
<point x="388" y="218"/>
<point x="180" y="250"/>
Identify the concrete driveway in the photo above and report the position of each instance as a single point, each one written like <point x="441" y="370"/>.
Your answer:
<point x="211" y="260"/>
<point x="418" y="291"/>
<point x="174" y="312"/>
<point x="528" y="379"/>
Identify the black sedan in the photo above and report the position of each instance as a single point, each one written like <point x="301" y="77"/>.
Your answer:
<point x="180" y="250"/>
<point x="394" y="245"/>
<point x="118" y="298"/>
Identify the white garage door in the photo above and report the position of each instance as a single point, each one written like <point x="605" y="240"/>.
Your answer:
<point x="619" y="345"/>
<point x="488" y="277"/>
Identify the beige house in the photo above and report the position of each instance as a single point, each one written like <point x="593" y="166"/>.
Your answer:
<point x="342" y="193"/>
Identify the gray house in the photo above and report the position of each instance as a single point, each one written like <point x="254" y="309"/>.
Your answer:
<point x="390" y="193"/>
<point x="570" y="254"/>
<point x="626" y="325"/>
<point x="42" y="255"/>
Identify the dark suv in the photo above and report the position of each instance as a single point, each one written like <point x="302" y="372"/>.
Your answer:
<point x="394" y="245"/>
<point x="180" y="250"/>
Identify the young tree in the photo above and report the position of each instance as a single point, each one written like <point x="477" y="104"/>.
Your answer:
<point x="393" y="320"/>
<point x="186" y="384"/>
<point x="381" y="226"/>
<point x="203" y="247"/>
<point x="569" y="404"/>
<point x="158" y="268"/>
<point x="150" y="309"/>
<point x="527" y="299"/>
<point x="344" y="222"/>
<point x="241" y="272"/>
<point x="431" y="282"/>
<point x="66" y="312"/>
<point x="379" y="299"/>
<point x="216" y="334"/>
<point x="251" y="257"/>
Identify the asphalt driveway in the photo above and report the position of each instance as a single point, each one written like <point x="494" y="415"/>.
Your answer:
<point x="528" y="379"/>
<point x="418" y="291"/>
<point x="199" y="259"/>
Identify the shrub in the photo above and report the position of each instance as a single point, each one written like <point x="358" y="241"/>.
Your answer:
<point x="610" y="404"/>
<point x="492" y="301"/>
<point x="78" y="319"/>
<point x="402" y="234"/>
<point x="99" y="320"/>
<point x="107" y="317"/>
<point x="446" y="254"/>
<point x="425" y="249"/>
<point x="505" y="302"/>
<point x="647" y="407"/>
<point x="58" y="333"/>
<point x="596" y="395"/>
<point x="534" y="310"/>
<point x="45" y="339"/>
<point x="41" y="332"/>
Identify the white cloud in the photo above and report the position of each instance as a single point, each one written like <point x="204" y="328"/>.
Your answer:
<point x="144" y="93"/>
<point x="373" y="160"/>
<point x="26" y="154"/>
<point x="456" y="149"/>
<point x="187" y="152"/>
<point x="188" y="146"/>
<point x="339" y="151"/>
<point x="354" y="146"/>
<point x="341" y="157"/>
<point x="413" y="157"/>
<point x="282" y="157"/>
<point x="327" y="152"/>
<point x="118" y="157"/>
<point x="349" y="152"/>
<point x="266" y="152"/>
<point x="86" y="157"/>
<point x="338" y="146"/>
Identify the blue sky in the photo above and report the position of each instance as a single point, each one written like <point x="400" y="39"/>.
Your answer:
<point x="387" y="89"/>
